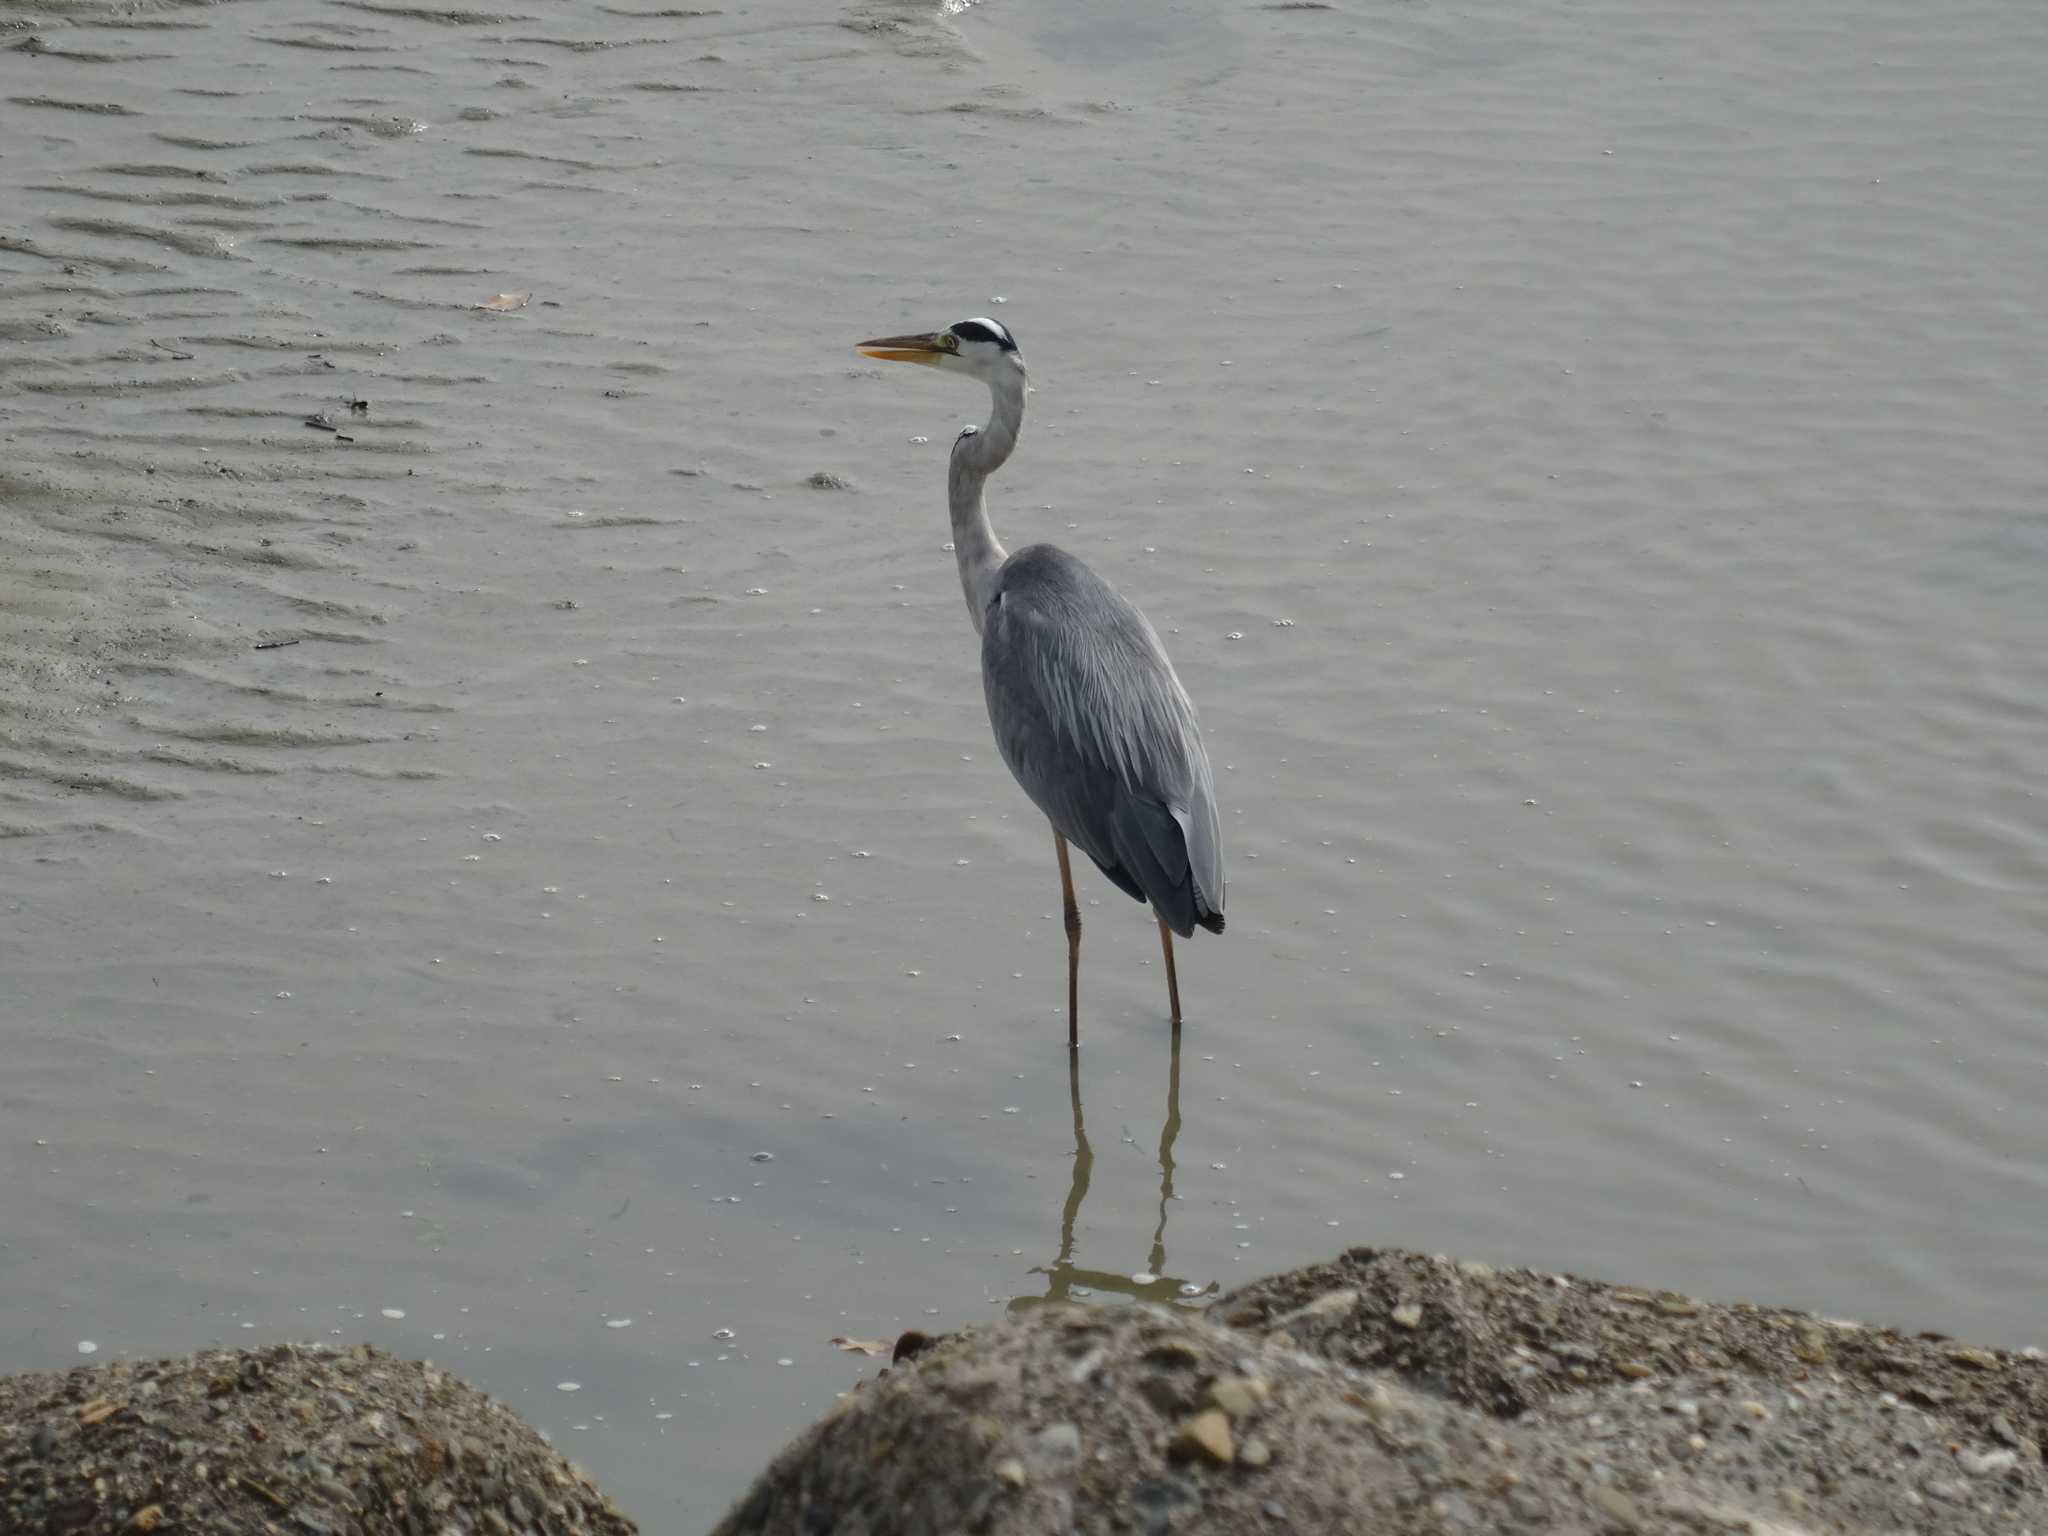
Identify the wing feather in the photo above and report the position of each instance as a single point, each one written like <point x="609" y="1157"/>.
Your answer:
<point x="1090" y="717"/>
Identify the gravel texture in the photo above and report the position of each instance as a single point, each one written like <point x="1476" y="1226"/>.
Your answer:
<point x="292" y="1440"/>
<point x="1383" y="1391"/>
<point x="1507" y="1340"/>
<point x="1394" y="1392"/>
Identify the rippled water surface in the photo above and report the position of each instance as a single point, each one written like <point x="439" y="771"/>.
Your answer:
<point x="499" y="863"/>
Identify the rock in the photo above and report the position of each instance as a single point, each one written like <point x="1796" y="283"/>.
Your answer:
<point x="1059" y="1442"/>
<point x="1458" y="1416"/>
<point x="1988" y="1463"/>
<point x="1206" y="1436"/>
<point x="237" y="1441"/>
<point x="1618" y="1508"/>
<point x="1332" y="1304"/>
<point x="1456" y="1421"/>
<point x="1526" y="1505"/>
<point x="1238" y="1396"/>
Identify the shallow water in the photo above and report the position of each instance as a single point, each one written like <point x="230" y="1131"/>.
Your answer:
<point x="1587" y="468"/>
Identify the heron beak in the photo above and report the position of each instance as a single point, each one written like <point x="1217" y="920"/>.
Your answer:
<point x="907" y="349"/>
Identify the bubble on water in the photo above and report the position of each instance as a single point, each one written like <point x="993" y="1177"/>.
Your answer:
<point x="723" y="1333"/>
<point x="88" y="1347"/>
<point x="1144" y="1277"/>
<point x="785" y="1360"/>
<point x="762" y="1157"/>
<point x="568" y="1386"/>
<point x="618" y="1322"/>
<point x="664" y="1416"/>
<point x="1189" y="1288"/>
<point x="1235" y="634"/>
<point x="1082" y="1291"/>
<point x="396" y="1314"/>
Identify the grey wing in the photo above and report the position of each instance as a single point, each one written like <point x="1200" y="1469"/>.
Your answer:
<point x="1096" y="727"/>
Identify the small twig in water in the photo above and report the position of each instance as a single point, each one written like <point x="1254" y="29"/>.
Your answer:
<point x="271" y="645"/>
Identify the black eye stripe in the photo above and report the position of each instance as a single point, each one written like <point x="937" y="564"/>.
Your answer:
<point x="985" y="331"/>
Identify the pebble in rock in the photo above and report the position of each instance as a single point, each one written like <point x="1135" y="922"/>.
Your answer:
<point x="1206" y="1436"/>
<point x="1059" y="1442"/>
<point x="1238" y="1396"/>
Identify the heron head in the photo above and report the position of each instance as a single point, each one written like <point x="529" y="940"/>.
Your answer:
<point x="983" y="348"/>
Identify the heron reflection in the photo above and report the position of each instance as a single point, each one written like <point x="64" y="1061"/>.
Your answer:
<point x="1064" y="1277"/>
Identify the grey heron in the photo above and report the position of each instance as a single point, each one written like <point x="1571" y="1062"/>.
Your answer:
<point x="1086" y="708"/>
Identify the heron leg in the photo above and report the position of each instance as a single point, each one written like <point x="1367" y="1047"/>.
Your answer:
<point x="1073" y="915"/>
<point x="1172" y="981"/>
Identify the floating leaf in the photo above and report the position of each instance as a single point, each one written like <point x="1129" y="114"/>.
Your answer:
<point x="864" y="1346"/>
<point x="505" y="301"/>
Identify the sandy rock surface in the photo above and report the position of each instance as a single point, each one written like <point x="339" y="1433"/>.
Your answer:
<point x="287" y="1439"/>
<point x="1383" y="1391"/>
<point x="1395" y="1392"/>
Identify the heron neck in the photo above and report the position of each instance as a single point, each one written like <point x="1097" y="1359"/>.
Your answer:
<point x="976" y="456"/>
